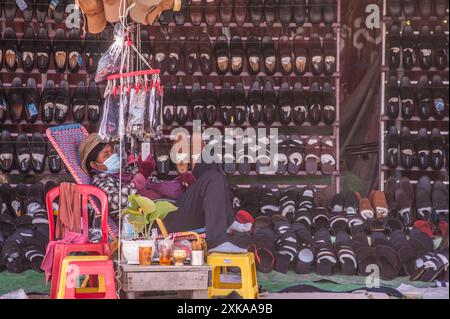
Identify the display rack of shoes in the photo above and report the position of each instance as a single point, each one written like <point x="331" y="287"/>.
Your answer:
<point x="415" y="101"/>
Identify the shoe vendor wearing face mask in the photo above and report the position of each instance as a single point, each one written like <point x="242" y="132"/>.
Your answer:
<point x="202" y="197"/>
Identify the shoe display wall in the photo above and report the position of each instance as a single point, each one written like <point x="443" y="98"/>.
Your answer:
<point x="415" y="100"/>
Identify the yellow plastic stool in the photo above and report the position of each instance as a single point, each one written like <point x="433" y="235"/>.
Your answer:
<point x="63" y="278"/>
<point x="247" y="288"/>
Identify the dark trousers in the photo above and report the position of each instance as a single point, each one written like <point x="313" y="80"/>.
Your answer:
<point x="206" y="203"/>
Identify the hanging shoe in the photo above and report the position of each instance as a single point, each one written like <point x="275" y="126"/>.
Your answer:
<point x="285" y="54"/>
<point x="422" y="149"/>
<point x="409" y="46"/>
<point x="437" y="149"/>
<point x="425" y="8"/>
<point x="166" y="17"/>
<point x="60" y="50"/>
<point x="392" y="98"/>
<point x="394" y="45"/>
<point x="423" y="198"/>
<point x="441" y="8"/>
<point x="240" y="12"/>
<point x="75" y="50"/>
<point x="23" y="153"/>
<point x="425" y="47"/>
<point x="300" y="48"/>
<point x="160" y="59"/>
<point x="440" y="97"/>
<point x="31" y="101"/>
<point x="206" y="53"/>
<point x="38" y="152"/>
<point x="62" y="102"/>
<point x="146" y="48"/>
<point x="270" y="55"/>
<point x="394" y="8"/>
<point x="285" y="12"/>
<point x="329" y="12"/>
<point x="329" y="104"/>
<point x="392" y="142"/>
<point x="191" y="53"/>
<point x="169" y="107"/>
<point x="424" y="97"/>
<point x="4" y="106"/>
<point x="42" y="7"/>
<point x="409" y="8"/>
<point x="255" y="101"/>
<point x="240" y="105"/>
<point x="196" y="12"/>
<point x="28" y="12"/>
<point x="269" y="104"/>
<point x="406" y="148"/>
<point x="315" y="104"/>
<point x="253" y="54"/>
<point x="10" y="10"/>
<point x="181" y="100"/>
<point x="408" y="98"/>
<point x="285" y="103"/>
<point x="210" y="104"/>
<point x="300" y="12"/>
<point x="329" y="53"/>
<point x="54" y="161"/>
<point x="11" y="50"/>
<point x="226" y="104"/>
<point x="270" y="7"/>
<point x="197" y="102"/>
<point x="91" y="52"/>
<point x="48" y="101"/>
<point x="79" y="103"/>
<point x="316" y="54"/>
<point x="237" y="54"/>
<point x="94" y="103"/>
<point x="27" y="48"/>
<point x="226" y="11"/>
<point x="222" y="54"/>
<point x="58" y="12"/>
<point x="440" y="48"/>
<point x="315" y="11"/>
<point x="16" y="100"/>
<point x="300" y="104"/>
<point x="6" y="152"/>
<point x="173" y="62"/>
<point x="210" y="12"/>
<point x="256" y="11"/>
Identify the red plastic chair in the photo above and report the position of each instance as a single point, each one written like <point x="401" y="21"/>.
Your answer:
<point x="61" y="249"/>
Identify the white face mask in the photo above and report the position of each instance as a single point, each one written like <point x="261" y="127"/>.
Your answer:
<point x="112" y="164"/>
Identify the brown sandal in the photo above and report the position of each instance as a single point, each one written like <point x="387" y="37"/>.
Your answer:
<point x="327" y="155"/>
<point x="312" y="151"/>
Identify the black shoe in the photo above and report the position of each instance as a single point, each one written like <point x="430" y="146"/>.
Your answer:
<point x="54" y="161"/>
<point x="174" y="49"/>
<point x="197" y="102"/>
<point x="409" y="46"/>
<point x="43" y="50"/>
<point x="210" y="104"/>
<point x="256" y="11"/>
<point x="392" y="140"/>
<point x="270" y="55"/>
<point x="23" y="153"/>
<point x="41" y="10"/>
<point x="237" y="54"/>
<point x="190" y="52"/>
<point x="60" y="50"/>
<point x="11" y="50"/>
<point x="31" y="101"/>
<point x="392" y="98"/>
<point x="425" y="47"/>
<point x="4" y="105"/>
<point x="394" y="45"/>
<point x="169" y="107"/>
<point x="180" y="15"/>
<point x="285" y="54"/>
<point x="10" y="10"/>
<point x="300" y="12"/>
<point x="440" y="48"/>
<point x="407" y="95"/>
<point x="222" y="54"/>
<point x="285" y="12"/>
<point x="394" y="8"/>
<point x="181" y="104"/>
<point x="424" y="97"/>
<point x="2" y="53"/>
<point x="27" y="48"/>
<point x="300" y="104"/>
<point x="48" y="101"/>
<point x="329" y="52"/>
<point x="315" y="104"/>
<point x="285" y="103"/>
<point x="162" y="157"/>
<point x="160" y="58"/>
<point x="329" y="12"/>
<point x="329" y="104"/>
<point x="270" y="7"/>
<point x="239" y="103"/>
<point x="316" y="54"/>
<point x="406" y="148"/>
<point x="269" y="104"/>
<point x="62" y="102"/>
<point x="440" y="97"/>
<point x="255" y="101"/>
<point x="409" y="8"/>
<point x="301" y="56"/>
<point x="94" y="103"/>
<point x="58" y="12"/>
<point x="253" y="54"/>
<point x="36" y="194"/>
<point x="206" y="53"/>
<point x="6" y="152"/>
<point x="91" y="52"/>
<point x="422" y="149"/>
<point x="146" y="48"/>
<point x="79" y="103"/>
<point x="75" y="50"/>
<point x="437" y="149"/>
<point x="425" y="8"/>
<point x="38" y="149"/>
<point x="16" y="100"/>
<point x="315" y="11"/>
<point x="441" y="8"/>
<point x="226" y="104"/>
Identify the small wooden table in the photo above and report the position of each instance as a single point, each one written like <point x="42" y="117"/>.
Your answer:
<point x="190" y="282"/>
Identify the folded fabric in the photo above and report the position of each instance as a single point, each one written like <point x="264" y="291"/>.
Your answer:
<point x="69" y="217"/>
<point x="165" y="189"/>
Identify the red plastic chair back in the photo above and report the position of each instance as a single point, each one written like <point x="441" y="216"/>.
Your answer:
<point x="86" y="191"/>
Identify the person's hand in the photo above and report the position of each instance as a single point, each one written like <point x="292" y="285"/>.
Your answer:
<point x="146" y="167"/>
<point x="186" y="179"/>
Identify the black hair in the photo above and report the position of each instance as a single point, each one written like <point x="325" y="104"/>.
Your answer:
<point x="92" y="156"/>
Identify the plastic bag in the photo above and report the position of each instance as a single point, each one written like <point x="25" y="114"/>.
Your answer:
<point x="111" y="60"/>
<point x="110" y="118"/>
<point x="136" y="110"/>
<point x="154" y="122"/>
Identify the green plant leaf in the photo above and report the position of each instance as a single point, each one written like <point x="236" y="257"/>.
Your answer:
<point x="132" y="201"/>
<point x="163" y="208"/>
<point x="130" y="211"/>
<point x="137" y="220"/>
<point x="147" y="205"/>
